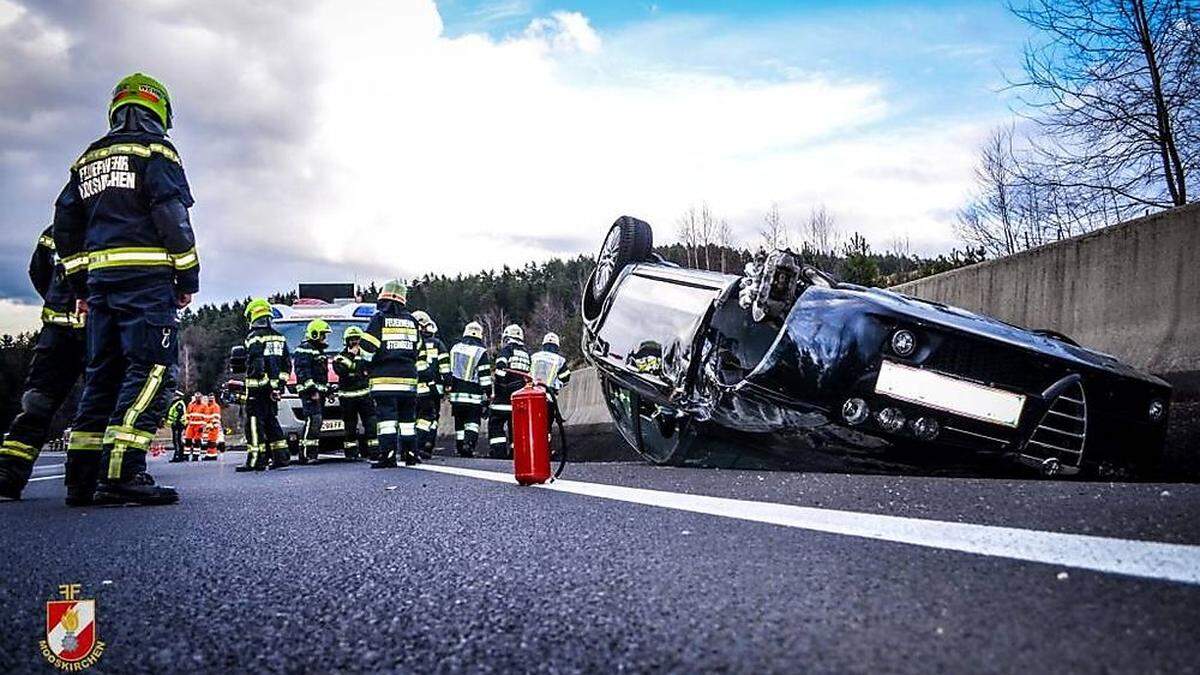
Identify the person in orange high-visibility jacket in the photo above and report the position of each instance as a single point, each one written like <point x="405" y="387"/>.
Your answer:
<point x="212" y="427"/>
<point x="195" y="427"/>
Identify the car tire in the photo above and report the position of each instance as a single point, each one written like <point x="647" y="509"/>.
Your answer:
<point x="628" y="241"/>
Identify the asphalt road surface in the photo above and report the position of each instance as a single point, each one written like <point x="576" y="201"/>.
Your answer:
<point x="623" y="567"/>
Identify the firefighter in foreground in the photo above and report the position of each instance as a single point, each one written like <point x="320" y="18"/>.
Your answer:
<point x="58" y="360"/>
<point x="268" y="364"/>
<point x="312" y="385"/>
<point x="432" y="385"/>
<point x="548" y="368"/>
<point x="354" y="394"/>
<point x="512" y="364"/>
<point x="121" y="227"/>
<point x="177" y="420"/>
<point x="469" y="384"/>
<point x="392" y="342"/>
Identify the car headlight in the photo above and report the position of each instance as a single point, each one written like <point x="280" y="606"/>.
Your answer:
<point x="855" y="411"/>
<point x="904" y="343"/>
<point x="1157" y="410"/>
<point x="890" y="420"/>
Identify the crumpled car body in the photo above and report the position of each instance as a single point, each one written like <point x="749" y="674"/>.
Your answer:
<point x="844" y="376"/>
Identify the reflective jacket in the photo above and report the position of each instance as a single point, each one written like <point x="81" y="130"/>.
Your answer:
<point x="549" y="368"/>
<point x="176" y="413"/>
<point x="312" y="369"/>
<point x="196" y="415"/>
<point x="393" y="344"/>
<point x="49" y="279"/>
<point x="268" y="361"/>
<point x="470" y="379"/>
<point x="351" y="369"/>
<point x="121" y="219"/>
<point x="512" y="359"/>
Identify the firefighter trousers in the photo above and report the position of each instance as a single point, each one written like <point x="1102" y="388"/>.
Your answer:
<point x="466" y="426"/>
<point x="58" y="360"/>
<point x="264" y="437"/>
<point x="357" y="409"/>
<point x="314" y="417"/>
<point x="500" y="430"/>
<point x="177" y="441"/>
<point x="397" y="428"/>
<point x="429" y="410"/>
<point x="132" y="336"/>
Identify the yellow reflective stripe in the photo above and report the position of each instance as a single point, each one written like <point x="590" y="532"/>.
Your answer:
<point x="47" y="241"/>
<point x="370" y="339"/>
<point x="145" y="396"/>
<point x="127" y="149"/>
<point x="85" y="440"/>
<point x="393" y="380"/>
<point x="186" y="260"/>
<point x="126" y="435"/>
<point x="354" y="393"/>
<point x="75" y="263"/>
<point x="129" y="256"/>
<point x="19" y="449"/>
<point x="69" y="319"/>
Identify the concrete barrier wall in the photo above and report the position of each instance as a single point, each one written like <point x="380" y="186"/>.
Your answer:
<point x="1131" y="290"/>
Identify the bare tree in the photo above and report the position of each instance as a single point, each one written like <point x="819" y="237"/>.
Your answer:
<point x="708" y="231"/>
<point x="548" y="316"/>
<point x="494" y="319"/>
<point x="774" y="232"/>
<point x="688" y="231"/>
<point x="990" y="219"/>
<point x="1115" y="88"/>
<point x="725" y="241"/>
<point x="819" y="234"/>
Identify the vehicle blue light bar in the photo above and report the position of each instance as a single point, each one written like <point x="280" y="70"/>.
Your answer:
<point x="365" y="310"/>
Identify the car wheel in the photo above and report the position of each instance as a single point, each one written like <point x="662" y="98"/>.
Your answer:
<point x="629" y="241"/>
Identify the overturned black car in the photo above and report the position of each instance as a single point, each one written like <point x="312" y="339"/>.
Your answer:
<point x="786" y="363"/>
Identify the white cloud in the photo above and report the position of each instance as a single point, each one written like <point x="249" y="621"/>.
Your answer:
<point x="564" y="32"/>
<point x="357" y="140"/>
<point x="18" y="317"/>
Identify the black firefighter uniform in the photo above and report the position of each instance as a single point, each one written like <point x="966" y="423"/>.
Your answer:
<point x="268" y="364"/>
<point x="354" y="396"/>
<point x="469" y="384"/>
<point x="58" y="360"/>
<point x="122" y="230"/>
<point x="511" y="363"/>
<point x="397" y="358"/>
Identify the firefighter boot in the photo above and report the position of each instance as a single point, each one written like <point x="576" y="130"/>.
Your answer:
<point x="140" y="489"/>
<point x="14" y="475"/>
<point x="83" y="472"/>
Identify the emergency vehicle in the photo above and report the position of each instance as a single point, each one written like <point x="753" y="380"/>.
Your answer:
<point x="337" y="305"/>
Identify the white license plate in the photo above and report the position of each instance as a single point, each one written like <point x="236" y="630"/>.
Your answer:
<point x="949" y="394"/>
<point x="332" y="425"/>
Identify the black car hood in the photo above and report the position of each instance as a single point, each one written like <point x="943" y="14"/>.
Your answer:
<point x="964" y="321"/>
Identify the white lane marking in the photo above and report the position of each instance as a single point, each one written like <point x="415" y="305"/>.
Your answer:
<point x="48" y="466"/>
<point x="1148" y="559"/>
<point x="34" y="480"/>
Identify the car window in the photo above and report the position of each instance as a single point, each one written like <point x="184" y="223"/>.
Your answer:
<point x="650" y="326"/>
<point x="294" y="332"/>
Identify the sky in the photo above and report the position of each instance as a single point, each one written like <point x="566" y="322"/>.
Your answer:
<point x="351" y="141"/>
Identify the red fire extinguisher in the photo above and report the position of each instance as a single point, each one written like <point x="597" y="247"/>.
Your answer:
<point x="531" y="435"/>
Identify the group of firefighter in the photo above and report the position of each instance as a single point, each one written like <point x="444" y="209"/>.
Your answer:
<point x="392" y="378"/>
<point x="117" y="265"/>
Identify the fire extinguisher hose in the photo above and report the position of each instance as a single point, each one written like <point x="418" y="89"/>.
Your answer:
<point x="562" y="434"/>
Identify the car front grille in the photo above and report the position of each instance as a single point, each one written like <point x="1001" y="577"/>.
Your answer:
<point x="991" y="364"/>
<point x="1062" y="432"/>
